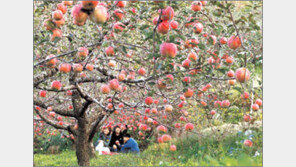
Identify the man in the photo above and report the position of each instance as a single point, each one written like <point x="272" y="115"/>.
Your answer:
<point x="130" y="145"/>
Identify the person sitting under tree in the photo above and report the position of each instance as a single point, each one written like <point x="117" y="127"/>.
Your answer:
<point x="130" y="145"/>
<point x="116" y="139"/>
<point x="102" y="144"/>
<point x="105" y="137"/>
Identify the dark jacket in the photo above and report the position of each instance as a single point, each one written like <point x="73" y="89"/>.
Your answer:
<point x="106" y="139"/>
<point x="130" y="146"/>
<point x="114" y="137"/>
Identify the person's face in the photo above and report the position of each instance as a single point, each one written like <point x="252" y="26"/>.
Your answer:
<point x="117" y="130"/>
<point x="106" y="131"/>
<point x="125" y="139"/>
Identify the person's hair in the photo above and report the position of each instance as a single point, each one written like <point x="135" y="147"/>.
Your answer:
<point x="109" y="128"/>
<point x="126" y="135"/>
<point x="114" y="129"/>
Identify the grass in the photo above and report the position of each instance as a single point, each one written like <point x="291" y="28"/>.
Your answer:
<point x="189" y="152"/>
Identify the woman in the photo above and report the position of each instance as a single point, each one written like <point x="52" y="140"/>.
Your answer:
<point x="116" y="139"/>
<point x="102" y="143"/>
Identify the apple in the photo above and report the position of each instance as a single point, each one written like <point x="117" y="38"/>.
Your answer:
<point x="259" y="102"/>
<point x="173" y="148"/>
<point x="242" y="75"/>
<point x="149" y="100"/>
<point x="163" y="27"/>
<point x="120" y="4"/>
<point x="255" y="107"/>
<point x="56" y="85"/>
<point x="154" y="110"/>
<point x="223" y="40"/>
<point x="168" y="50"/>
<point x="65" y="67"/>
<point x="77" y="67"/>
<point x="188" y="93"/>
<point x="230" y="74"/>
<point x="229" y="60"/>
<point x="82" y="51"/>
<point x="192" y="56"/>
<point x="168" y="108"/>
<point x="89" y="67"/>
<point x="247" y="118"/>
<point x="121" y="77"/>
<point x="213" y="112"/>
<point x="174" y="24"/>
<point x="161" y="128"/>
<point x="177" y="125"/>
<point x="62" y="8"/>
<point x="231" y="82"/>
<point x="78" y="15"/>
<point x="167" y="13"/>
<point x="99" y="15"/>
<point x="109" y="51"/>
<point x="225" y="103"/>
<point x="196" y="6"/>
<point x="197" y="28"/>
<point x="57" y="15"/>
<point x="189" y="127"/>
<point x="142" y="71"/>
<point x="248" y="143"/>
<point x="42" y="93"/>
<point x="186" y="63"/>
<point x="105" y="89"/>
<point x="114" y="84"/>
<point x="245" y="95"/>
<point x="166" y="138"/>
<point x="234" y="42"/>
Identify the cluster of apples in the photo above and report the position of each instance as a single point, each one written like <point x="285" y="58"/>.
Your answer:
<point x="57" y="20"/>
<point x="95" y="11"/>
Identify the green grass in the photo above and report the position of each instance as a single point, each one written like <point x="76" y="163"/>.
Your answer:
<point x="189" y="153"/>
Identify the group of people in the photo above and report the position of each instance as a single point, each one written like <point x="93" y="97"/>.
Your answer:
<point x="117" y="141"/>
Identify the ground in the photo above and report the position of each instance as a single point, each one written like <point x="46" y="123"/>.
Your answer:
<point x="189" y="152"/>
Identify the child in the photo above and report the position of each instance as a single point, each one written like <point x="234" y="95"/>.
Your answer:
<point x="130" y="145"/>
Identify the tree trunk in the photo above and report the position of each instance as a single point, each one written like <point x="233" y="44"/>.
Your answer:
<point x="82" y="145"/>
<point x="91" y="150"/>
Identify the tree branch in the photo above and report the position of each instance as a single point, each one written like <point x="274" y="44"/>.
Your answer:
<point x="56" y="110"/>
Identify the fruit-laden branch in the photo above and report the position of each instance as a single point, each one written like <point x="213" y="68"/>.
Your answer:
<point x="44" y="75"/>
<point x="64" y="54"/>
<point x="87" y="97"/>
<point x="90" y="79"/>
<point x="63" y="89"/>
<point x="222" y="79"/>
<point x="238" y="34"/>
<point x="50" y="122"/>
<point x="105" y="73"/>
<point x="56" y="110"/>
<point x="132" y="45"/>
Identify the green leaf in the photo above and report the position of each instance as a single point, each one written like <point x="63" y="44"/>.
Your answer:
<point x="144" y="26"/>
<point x="238" y="89"/>
<point x="201" y="46"/>
<point x="151" y="83"/>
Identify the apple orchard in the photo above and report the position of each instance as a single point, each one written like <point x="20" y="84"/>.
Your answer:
<point x="162" y="69"/>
